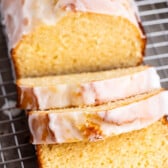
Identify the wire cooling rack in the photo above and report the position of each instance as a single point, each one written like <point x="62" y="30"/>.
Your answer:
<point x="15" y="150"/>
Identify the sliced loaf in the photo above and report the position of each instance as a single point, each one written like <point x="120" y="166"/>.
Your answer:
<point x="85" y="88"/>
<point x="145" y="148"/>
<point x="97" y="122"/>
<point x="56" y="36"/>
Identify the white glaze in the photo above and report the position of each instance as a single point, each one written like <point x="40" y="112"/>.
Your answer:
<point x="66" y="126"/>
<point x="96" y="92"/>
<point x="21" y="16"/>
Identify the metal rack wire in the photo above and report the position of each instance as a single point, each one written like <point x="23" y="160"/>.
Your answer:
<point x="15" y="150"/>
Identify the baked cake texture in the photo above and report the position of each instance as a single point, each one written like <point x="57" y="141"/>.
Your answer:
<point x="58" y="37"/>
<point x="53" y="37"/>
<point x="145" y="148"/>
<point x="97" y="122"/>
<point x="85" y="88"/>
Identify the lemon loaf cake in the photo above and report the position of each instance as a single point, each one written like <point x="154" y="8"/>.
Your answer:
<point x="145" y="148"/>
<point x="97" y="122"/>
<point x="48" y="37"/>
<point x="85" y="88"/>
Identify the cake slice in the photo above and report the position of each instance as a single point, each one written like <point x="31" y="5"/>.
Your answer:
<point x="48" y="37"/>
<point x="85" y="88"/>
<point x="97" y="122"/>
<point x="145" y="148"/>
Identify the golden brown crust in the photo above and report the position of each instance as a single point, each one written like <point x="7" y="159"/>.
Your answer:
<point x="165" y="120"/>
<point x="143" y="47"/>
<point x="16" y="66"/>
<point x="39" y="156"/>
<point x="29" y="98"/>
<point x="144" y="39"/>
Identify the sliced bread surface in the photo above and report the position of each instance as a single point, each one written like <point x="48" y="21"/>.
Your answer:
<point x="145" y="148"/>
<point x="97" y="122"/>
<point x="59" y="37"/>
<point x="82" y="89"/>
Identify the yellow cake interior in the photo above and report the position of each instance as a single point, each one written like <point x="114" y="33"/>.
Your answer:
<point x="80" y="77"/>
<point x="79" y="42"/>
<point x="146" y="148"/>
